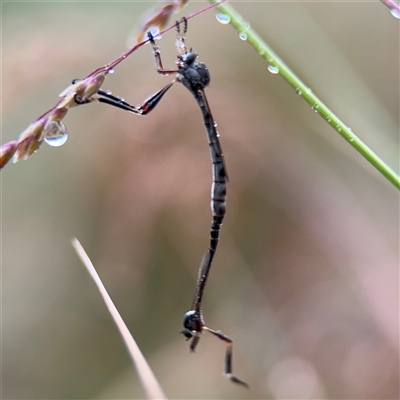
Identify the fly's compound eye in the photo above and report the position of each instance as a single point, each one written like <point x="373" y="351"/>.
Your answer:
<point x="190" y="323"/>
<point x="188" y="334"/>
<point x="190" y="57"/>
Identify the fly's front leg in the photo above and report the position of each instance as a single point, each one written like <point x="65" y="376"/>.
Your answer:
<point x="157" y="57"/>
<point x="180" y="40"/>
<point x="228" y="356"/>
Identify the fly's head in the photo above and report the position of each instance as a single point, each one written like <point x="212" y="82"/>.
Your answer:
<point x="192" y="328"/>
<point x="187" y="59"/>
<point x="191" y="324"/>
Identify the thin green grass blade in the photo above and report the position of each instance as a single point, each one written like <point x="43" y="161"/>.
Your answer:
<point x="276" y="65"/>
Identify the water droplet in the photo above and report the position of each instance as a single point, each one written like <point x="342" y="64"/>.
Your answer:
<point x="273" y="70"/>
<point x="351" y="139"/>
<point x="338" y="128"/>
<point x="298" y="91"/>
<point x="308" y="90"/>
<point x="108" y="92"/>
<point x="155" y="32"/>
<point x="242" y="36"/>
<point x="55" y="133"/>
<point x="261" y="52"/>
<point x="215" y="124"/>
<point x="111" y="71"/>
<point x="328" y="119"/>
<point x="217" y="134"/>
<point x="223" y="19"/>
<point x="395" y="12"/>
<point x="247" y="25"/>
<point x="316" y="107"/>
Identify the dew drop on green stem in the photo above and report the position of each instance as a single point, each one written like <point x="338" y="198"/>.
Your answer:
<point x="242" y="36"/>
<point x="351" y="137"/>
<point x="273" y="70"/>
<point x="223" y="18"/>
<point x="55" y="133"/>
<point x="247" y="25"/>
<point x="298" y="91"/>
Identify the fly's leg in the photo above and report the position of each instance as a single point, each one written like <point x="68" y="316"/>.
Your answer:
<point x="107" y="97"/>
<point x="148" y="105"/>
<point x="115" y="101"/>
<point x="157" y="57"/>
<point x="228" y="356"/>
<point x="180" y="41"/>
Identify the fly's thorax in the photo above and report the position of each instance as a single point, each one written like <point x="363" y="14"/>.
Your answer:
<point x="193" y="74"/>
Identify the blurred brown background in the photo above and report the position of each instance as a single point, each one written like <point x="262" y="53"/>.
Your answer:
<point x="306" y="278"/>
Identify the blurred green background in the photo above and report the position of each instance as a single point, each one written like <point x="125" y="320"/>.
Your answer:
<point x="306" y="278"/>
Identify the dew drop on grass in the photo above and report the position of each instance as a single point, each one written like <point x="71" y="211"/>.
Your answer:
<point x="395" y="13"/>
<point x="223" y="18"/>
<point x="273" y="70"/>
<point x="242" y="36"/>
<point x="55" y="133"/>
<point x="155" y="32"/>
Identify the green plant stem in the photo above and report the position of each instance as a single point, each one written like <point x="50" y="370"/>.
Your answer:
<point x="301" y="89"/>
